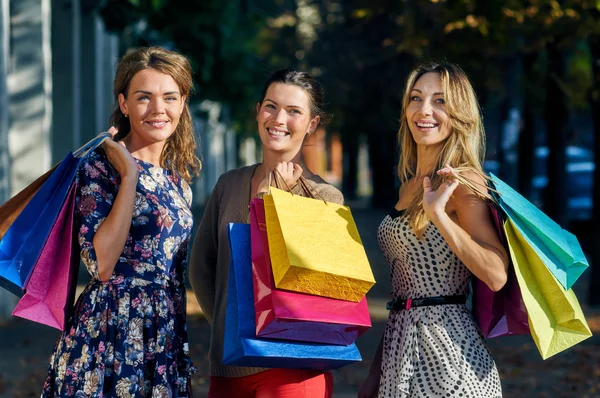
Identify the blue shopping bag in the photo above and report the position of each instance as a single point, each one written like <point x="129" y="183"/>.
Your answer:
<point x="23" y="241"/>
<point x="558" y="249"/>
<point x="242" y="347"/>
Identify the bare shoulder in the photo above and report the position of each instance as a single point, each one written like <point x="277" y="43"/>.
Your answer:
<point x="477" y="180"/>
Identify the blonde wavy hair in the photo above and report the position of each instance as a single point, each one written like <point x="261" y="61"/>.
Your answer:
<point x="179" y="153"/>
<point x="463" y="149"/>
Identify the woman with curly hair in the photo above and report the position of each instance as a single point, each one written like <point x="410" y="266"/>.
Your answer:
<point x="127" y="336"/>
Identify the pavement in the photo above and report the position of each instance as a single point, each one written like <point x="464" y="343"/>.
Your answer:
<point x="25" y="346"/>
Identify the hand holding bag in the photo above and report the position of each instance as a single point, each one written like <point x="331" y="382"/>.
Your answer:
<point x="24" y="239"/>
<point x="315" y="247"/>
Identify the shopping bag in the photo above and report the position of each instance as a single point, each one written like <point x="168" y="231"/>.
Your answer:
<point x="290" y="315"/>
<point x="555" y="317"/>
<point x="11" y="209"/>
<point x="50" y="290"/>
<point x="315" y="247"/>
<point x="25" y="237"/>
<point x="557" y="248"/>
<point x="500" y="313"/>
<point x="242" y="347"/>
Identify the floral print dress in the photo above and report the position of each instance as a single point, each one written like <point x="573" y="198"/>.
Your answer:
<point x="127" y="337"/>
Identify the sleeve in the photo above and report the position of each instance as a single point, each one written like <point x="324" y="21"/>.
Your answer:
<point x="204" y="255"/>
<point x="96" y="191"/>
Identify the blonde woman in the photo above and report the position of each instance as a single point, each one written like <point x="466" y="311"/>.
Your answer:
<point x="437" y="237"/>
<point x="128" y="335"/>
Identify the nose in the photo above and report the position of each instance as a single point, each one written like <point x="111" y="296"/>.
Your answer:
<point x="426" y="109"/>
<point x="158" y="106"/>
<point x="281" y="116"/>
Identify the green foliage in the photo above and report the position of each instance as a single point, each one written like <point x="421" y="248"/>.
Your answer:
<point x="360" y="50"/>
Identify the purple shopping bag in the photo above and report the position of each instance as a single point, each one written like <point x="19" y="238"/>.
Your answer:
<point x="50" y="290"/>
<point x="500" y="313"/>
<point x="288" y="315"/>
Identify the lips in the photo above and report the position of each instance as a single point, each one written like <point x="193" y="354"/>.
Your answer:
<point x="157" y="123"/>
<point x="426" y="125"/>
<point x="277" y="132"/>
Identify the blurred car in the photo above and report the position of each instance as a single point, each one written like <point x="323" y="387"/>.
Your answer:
<point x="580" y="175"/>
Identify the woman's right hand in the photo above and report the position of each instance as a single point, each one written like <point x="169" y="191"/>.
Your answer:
<point x="370" y="387"/>
<point x="119" y="157"/>
<point x="290" y="173"/>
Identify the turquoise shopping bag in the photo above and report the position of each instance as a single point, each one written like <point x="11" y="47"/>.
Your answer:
<point x="558" y="249"/>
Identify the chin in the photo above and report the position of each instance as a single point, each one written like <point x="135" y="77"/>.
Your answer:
<point x="157" y="136"/>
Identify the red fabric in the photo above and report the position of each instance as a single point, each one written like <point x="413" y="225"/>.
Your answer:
<point x="274" y="383"/>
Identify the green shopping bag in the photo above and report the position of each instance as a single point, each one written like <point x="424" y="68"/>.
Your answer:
<point x="557" y="248"/>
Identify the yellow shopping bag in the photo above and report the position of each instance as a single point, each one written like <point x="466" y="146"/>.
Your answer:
<point x="315" y="247"/>
<point x="556" y="320"/>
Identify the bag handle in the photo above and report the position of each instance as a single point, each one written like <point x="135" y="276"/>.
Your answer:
<point x="303" y="182"/>
<point x="92" y="144"/>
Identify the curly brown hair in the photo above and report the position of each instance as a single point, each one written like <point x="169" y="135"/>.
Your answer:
<point x="179" y="153"/>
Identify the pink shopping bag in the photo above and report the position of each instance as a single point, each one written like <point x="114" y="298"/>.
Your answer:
<point x="50" y="290"/>
<point x="296" y="316"/>
<point x="501" y="313"/>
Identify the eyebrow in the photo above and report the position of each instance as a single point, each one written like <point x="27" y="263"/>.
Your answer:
<point x="288" y="106"/>
<point x="150" y="93"/>
<point x="438" y="93"/>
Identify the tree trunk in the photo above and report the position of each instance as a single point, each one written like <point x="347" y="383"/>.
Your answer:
<point x="382" y="154"/>
<point x="527" y="134"/>
<point x="556" y="137"/>
<point x="350" y="164"/>
<point x="594" y="98"/>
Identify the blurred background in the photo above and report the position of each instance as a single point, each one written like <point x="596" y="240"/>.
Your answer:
<point x="535" y="65"/>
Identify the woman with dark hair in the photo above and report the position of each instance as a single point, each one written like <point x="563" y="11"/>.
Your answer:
<point x="437" y="237"/>
<point x="127" y="337"/>
<point x="290" y="108"/>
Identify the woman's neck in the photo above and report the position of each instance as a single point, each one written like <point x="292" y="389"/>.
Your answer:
<point x="427" y="160"/>
<point x="148" y="152"/>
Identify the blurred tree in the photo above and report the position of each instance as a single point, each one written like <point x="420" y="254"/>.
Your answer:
<point x="594" y="98"/>
<point x="229" y="42"/>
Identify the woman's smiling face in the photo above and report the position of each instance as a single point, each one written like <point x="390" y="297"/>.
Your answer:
<point x="284" y="118"/>
<point x="153" y="105"/>
<point x="426" y="114"/>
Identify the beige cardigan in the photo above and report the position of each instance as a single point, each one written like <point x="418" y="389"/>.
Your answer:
<point x="209" y="262"/>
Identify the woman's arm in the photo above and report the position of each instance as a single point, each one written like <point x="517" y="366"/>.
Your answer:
<point x="111" y="236"/>
<point x="472" y="237"/>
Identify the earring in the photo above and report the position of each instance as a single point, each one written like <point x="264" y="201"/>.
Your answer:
<point x="126" y="115"/>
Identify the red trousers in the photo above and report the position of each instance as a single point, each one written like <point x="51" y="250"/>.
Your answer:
<point x="274" y="383"/>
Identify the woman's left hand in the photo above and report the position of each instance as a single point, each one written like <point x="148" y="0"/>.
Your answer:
<point x="434" y="201"/>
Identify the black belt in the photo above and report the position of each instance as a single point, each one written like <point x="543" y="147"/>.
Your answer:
<point x="406" y="304"/>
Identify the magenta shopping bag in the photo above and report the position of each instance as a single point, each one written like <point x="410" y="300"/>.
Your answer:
<point x="50" y="290"/>
<point x="282" y="314"/>
<point x="501" y="313"/>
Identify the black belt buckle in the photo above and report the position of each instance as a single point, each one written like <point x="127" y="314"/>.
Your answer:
<point x="399" y="304"/>
<point x="407" y="304"/>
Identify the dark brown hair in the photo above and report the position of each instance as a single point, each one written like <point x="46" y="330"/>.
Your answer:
<point x="311" y="87"/>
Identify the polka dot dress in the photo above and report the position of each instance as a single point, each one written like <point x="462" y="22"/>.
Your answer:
<point x="433" y="351"/>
